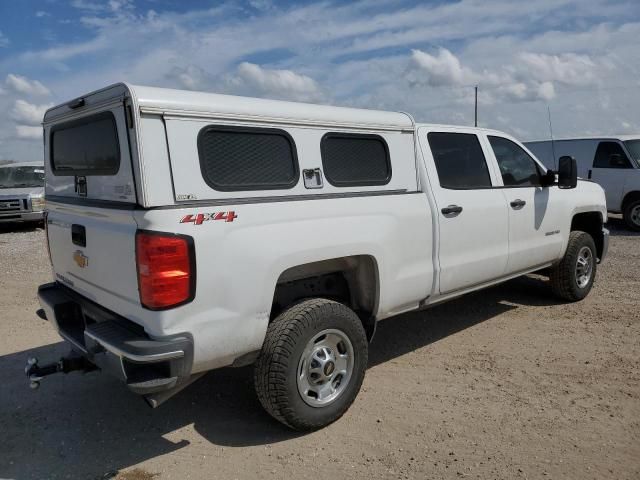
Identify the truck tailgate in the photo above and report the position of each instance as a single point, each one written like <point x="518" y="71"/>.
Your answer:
<point x="93" y="252"/>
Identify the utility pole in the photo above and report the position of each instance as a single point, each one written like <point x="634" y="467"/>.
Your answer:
<point x="476" y="116"/>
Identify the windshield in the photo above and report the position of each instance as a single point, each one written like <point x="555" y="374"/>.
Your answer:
<point x="16" y="177"/>
<point x="633" y="146"/>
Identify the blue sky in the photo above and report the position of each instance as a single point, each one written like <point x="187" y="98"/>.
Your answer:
<point x="578" y="57"/>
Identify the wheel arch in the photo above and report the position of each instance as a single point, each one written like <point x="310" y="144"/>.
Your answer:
<point x="630" y="197"/>
<point x="353" y="280"/>
<point x="591" y="223"/>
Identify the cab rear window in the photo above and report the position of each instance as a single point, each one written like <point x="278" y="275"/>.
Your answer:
<point x="88" y="146"/>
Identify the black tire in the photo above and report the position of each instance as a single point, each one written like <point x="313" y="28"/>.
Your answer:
<point x="631" y="218"/>
<point x="563" y="276"/>
<point x="276" y="370"/>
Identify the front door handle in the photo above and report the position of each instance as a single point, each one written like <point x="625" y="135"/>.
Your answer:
<point x="451" y="211"/>
<point x="518" y="204"/>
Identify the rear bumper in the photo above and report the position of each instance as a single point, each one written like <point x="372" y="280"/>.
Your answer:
<point x="21" y="217"/>
<point x="116" y="345"/>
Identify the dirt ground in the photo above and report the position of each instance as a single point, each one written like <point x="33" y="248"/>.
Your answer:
<point x="504" y="383"/>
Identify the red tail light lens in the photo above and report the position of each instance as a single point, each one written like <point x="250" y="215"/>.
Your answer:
<point x="166" y="269"/>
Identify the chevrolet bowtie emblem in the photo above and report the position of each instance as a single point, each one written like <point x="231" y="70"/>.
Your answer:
<point x="81" y="260"/>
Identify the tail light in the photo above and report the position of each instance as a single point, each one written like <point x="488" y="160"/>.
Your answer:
<point x="166" y="269"/>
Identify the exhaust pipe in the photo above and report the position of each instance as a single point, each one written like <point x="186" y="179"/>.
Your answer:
<point x="154" y="400"/>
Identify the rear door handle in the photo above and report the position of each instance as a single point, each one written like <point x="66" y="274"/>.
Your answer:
<point x="518" y="204"/>
<point x="451" y="211"/>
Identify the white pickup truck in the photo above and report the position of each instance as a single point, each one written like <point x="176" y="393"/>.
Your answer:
<point x="190" y="231"/>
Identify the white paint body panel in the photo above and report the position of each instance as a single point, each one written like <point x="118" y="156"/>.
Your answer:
<point x="420" y="256"/>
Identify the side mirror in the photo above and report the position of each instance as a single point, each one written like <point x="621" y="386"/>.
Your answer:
<point x="567" y="172"/>
<point x="616" y="160"/>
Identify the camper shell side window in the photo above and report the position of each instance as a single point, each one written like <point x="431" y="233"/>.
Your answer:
<point x="355" y="159"/>
<point x="247" y="158"/>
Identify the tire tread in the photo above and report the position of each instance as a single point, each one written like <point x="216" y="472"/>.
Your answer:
<point x="562" y="274"/>
<point x="270" y="370"/>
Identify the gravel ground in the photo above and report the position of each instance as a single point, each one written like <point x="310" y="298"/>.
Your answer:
<point x="504" y="383"/>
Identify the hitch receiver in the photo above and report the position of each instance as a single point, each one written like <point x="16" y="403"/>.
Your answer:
<point x="68" y="364"/>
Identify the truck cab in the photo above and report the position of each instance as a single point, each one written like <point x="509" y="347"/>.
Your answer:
<point x="190" y="231"/>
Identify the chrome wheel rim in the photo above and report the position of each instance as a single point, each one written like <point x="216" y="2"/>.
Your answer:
<point x="584" y="267"/>
<point x="325" y="368"/>
<point x="635" y="215"/>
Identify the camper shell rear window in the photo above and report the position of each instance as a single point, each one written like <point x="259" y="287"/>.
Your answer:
<point x="87" y="146"/>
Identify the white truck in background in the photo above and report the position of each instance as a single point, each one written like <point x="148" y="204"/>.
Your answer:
<point x="22" y="192"/>
<point x="191" y="231"/>
<point x="612" y="162"/>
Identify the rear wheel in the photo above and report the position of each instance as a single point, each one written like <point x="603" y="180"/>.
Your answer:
<point x="631" y="215"/>
<point x="573" y="277"/>
<point x="312" y="364"/>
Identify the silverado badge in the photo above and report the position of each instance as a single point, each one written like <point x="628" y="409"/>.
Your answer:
<point x="81" y="260"/>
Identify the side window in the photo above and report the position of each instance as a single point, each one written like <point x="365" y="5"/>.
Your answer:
<point x="351" y="160"/>
<point x="610" y="155"/>
<point x="459" y="160"/>
<point x="517" y="167"/>
<point x="247" y="158"/>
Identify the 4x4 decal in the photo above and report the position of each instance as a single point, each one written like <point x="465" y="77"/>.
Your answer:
<point x="199" y="218"/>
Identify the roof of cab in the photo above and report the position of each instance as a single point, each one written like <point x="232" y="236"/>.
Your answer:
<point x="592" y="137"/>
<point x="201" y="104"/>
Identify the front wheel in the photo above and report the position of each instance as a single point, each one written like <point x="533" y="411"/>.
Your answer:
<point x="312" y="364"/>
<point x="631" y="215"/>
<point x="573" y="277"/>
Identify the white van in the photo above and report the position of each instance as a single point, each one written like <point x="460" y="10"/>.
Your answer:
<point x="22" y="192"/>
<point x="612" y="162"/>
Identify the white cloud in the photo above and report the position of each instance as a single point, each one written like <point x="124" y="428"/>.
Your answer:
<point x="29" y="132"/>
<point x="4" y="41"/>
<point x="569" y="68"/>
<point x="88" y="5"/>
<point x="24" y="85"/>
<point x="191" y="77"/>
<point x="523" y="82"/>
<point x="261" y="4"/>
<point x="117" y="5"/>
<point x="28" y="113"/>
<point x="285" y="84"/>
<point x="42" y="13"/>
<point x="546" y="91"/>
<point x="569" y="54"/>
<point x="439" y="70"/>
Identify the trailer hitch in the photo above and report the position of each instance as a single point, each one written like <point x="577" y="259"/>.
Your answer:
<point x="72" y="363"/>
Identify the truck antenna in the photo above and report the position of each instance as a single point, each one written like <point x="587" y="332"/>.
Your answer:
<point x="553" y="147"/>
<point x="476" y="109"/>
